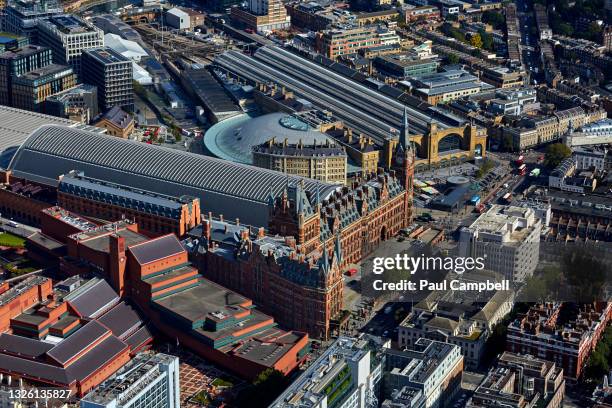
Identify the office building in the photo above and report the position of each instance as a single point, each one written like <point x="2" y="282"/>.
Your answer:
<point x="405" y="66"/>
<point x="262" y="15"/>
<point x="148" y="380"/>
<point x="347" y="375"/>
<point x="520" y="380"/>
<point x="112" y="74"/>
<point x="68" y="36"/>
<point x="446" y="86"/>
<point x="591" y="157"/>
<point x="507" y="238"/>
<point x="412" y="13"/>
<point x="432" y="367"/>
<point x="30" y="90"/>
<point x="79" y="103"/>
<point x="594" y="133"/>
<point x="335" y="42"/>
<point x="456" y="319"/>
<point x="15" y="63"/>
<point x="325" y="162"/>
<point x="569" y="345"/>
<point x="565" y="176"/>
<point x="513" y="101"/>
<point x="22" y="16"/>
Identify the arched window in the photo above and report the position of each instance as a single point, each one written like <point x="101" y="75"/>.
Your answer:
<point x="450" y="142"/>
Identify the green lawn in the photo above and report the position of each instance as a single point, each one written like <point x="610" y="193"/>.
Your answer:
<point x="10" y="240"/>
<point x="21" y="267"/>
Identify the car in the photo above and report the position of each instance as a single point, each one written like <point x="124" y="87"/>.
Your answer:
<point x="385" y="333"/>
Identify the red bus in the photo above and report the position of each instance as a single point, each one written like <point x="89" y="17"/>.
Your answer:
<point x="520" y="160"/>
<point x="522" y="170"/>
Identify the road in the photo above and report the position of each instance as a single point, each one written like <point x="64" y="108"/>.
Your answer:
<point x="529" y="40"/>
<point x="21" y="230"/>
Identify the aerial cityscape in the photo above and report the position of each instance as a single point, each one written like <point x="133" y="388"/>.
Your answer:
<point x="306" y="203"/>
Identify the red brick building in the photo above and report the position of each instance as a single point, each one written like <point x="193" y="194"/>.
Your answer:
<point x="73" y="336"/>
<point x="538" y="333"/>
<point x="214" y="322"/>
<point x="155" y="214"/>
<point x="299" y="279"/>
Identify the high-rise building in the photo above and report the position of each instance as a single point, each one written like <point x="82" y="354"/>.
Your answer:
<point x="148" y="380"/>
<point x="68" y="36"/>
<point x="22" y="16"/>
<point x="112" y="74"/>
<point x="18" y="62"/>
<point x="32" y="89"/>
<point x="507" y="238"/>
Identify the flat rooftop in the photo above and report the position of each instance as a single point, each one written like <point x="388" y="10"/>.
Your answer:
<point x="70" y="218"/>
<point x="69" y="24"/>
<point x="52" y="71"/>
<point x="203" y="300"/>
<point x="107" y="56"/>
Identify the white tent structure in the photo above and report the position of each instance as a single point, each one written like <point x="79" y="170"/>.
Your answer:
<point x="127" y="48"/>
<point x="133" y="51"/>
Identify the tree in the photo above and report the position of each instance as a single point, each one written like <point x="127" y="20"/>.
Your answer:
<point x="507" y="143"/>
<point x="593" y="32"/>
<point x="476" y="40"/>
<point x="487" y="40"/>
<point x="565" y="29"/>
<point x="486" y="166"/>
<point x="494" y="18"/>
<point x="452" y="59"/>
<point x="555" y="153"/>
<point x="265" y="388"/>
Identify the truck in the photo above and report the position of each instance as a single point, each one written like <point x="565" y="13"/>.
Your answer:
<point x="535" y="172"/>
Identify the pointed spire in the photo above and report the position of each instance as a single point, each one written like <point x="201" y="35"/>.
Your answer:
<point x="271" y="197"/>
<point x="338" y="249"/>
<point x="405" y="133"/>
<point x="324" y="261"/>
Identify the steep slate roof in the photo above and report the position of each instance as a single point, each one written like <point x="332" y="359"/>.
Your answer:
<point x="155" y="249"/>
<point x="94" y="300"/>
<point x="23" y="346"/>
<point x="72" y="346"/>
<point x="235" y="190"/>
